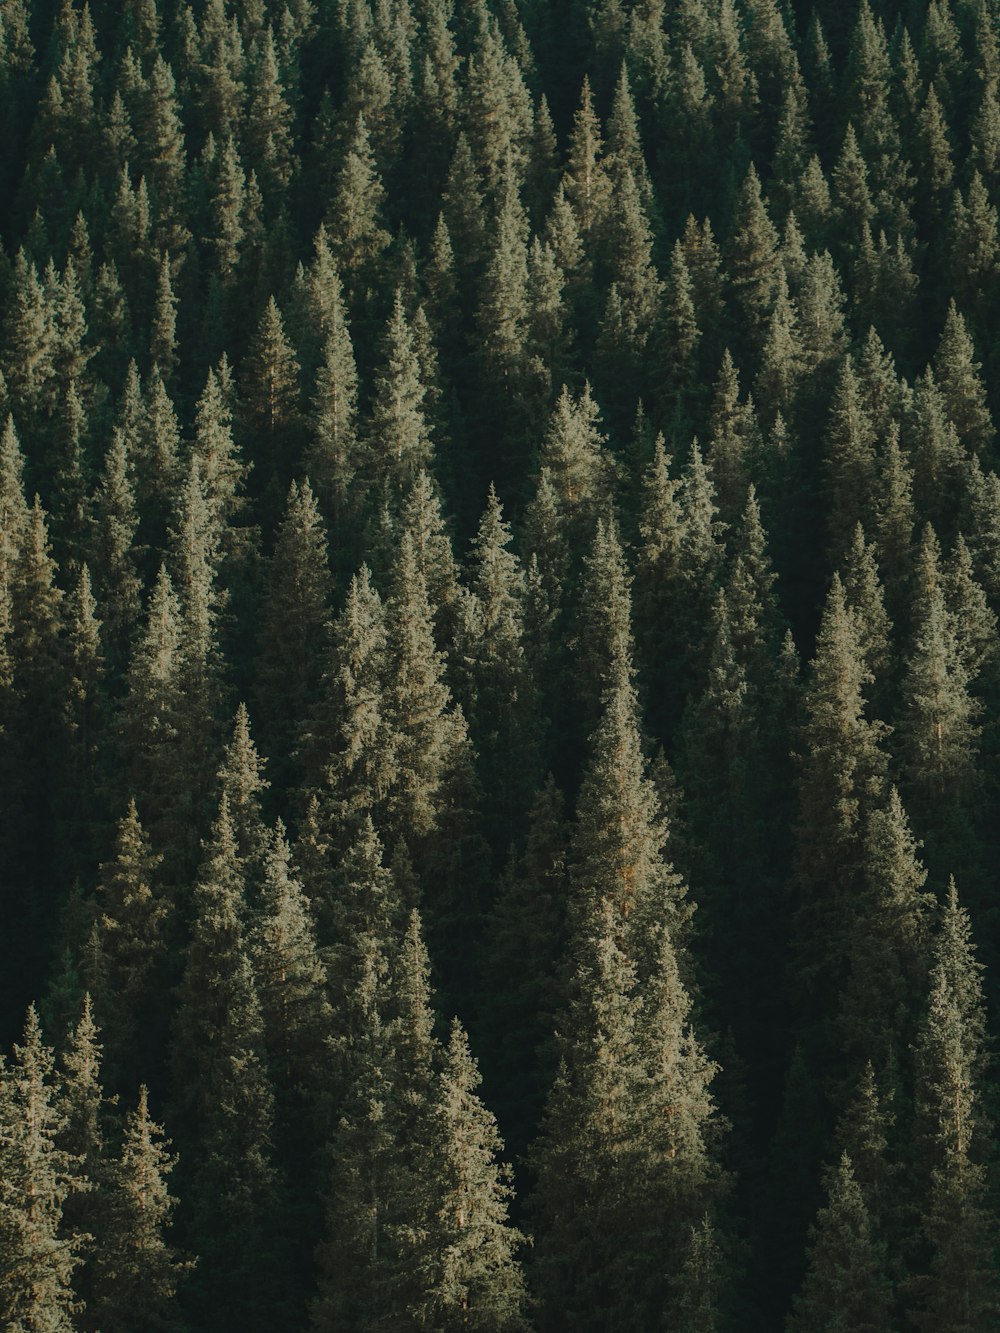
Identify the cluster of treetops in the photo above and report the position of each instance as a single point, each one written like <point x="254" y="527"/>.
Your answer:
<point x="568" y="429"/>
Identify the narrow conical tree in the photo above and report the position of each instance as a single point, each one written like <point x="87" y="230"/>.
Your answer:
<point x="938" y="734"/>
<point x="842" y="777"/>
<point x="888" y="952"/>
<point x="83" y="1137"/>
<point x="294" y="628"/>
<point x="399" y="441"/>
<point x="754" y="261"/>
<point x="501" y="698"/>
<point x="117" y="524"/>
<point x="225" y="1097"/>
<point x="959" y="1286"/>
<point x="469" y="1269"/>
<point x="291" y="979"/>
<point x="138" y="1272"/>
<point x="241" y="778"/>
<point x="130" y="923"/>
<point x="622" y="834"/>
<point x="36" y="1261"/>
<point x="271" y="397"/>
<point x="845" y="1285"/>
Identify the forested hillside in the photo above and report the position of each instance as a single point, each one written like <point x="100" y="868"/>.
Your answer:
<point x="499" y="665"/>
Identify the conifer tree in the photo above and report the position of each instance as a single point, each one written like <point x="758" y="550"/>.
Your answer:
<point x="957" y="374"/>
<point x="399" y="441"/>
<point x="294" y="624"/>
<point x="291" y="979"/>
<point x="501" y="694"/>
<point x="129" y="924"/>
<point x="753" y="260"/>
<point x="622" y="833"/>
<point x="959" y="1284"/>
<point x="227" y="1101"/>
<point x="138" y="1272"/>
<point x="846" y="1285"/>
<point x="889" y="946"/>
<point x="625" y="1146"/>
<point x="83" y="1138"/>
<point x="117" y="525"/>
<point x="38" y="1174"/>
<point x="357" y="234"/>
<point x="470" y="1274"/>
<point x="938" y="732"/>
<point x="332" y="453"/>
<point x="271" y="394"/>
<point x="842" y="776"/>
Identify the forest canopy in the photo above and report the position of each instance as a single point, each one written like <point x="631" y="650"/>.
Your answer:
<point x="499" y="673"/>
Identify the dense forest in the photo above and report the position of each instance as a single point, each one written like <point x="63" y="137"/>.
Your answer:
<point x="499" y="665"/>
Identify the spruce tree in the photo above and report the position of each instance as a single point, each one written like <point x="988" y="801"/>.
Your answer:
<point x="138" y="1272"/>
<point x="294" y="627"/>
<point x="469" y="1272"/>
<point x="958" y="1286"/>
<point x="38" y="1174"/>
<point x="291" y="979"/>
<point x="842" y="776"/>
<point x="845" y="1285"/>
<point x="127" y="952"/>
<point x="225" y="1097"/>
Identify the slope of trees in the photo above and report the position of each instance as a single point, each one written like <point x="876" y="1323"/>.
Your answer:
<point x="499" y="674"/>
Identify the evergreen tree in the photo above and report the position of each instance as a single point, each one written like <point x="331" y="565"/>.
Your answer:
<point x="959" y="1285"/>
<point x="842" y="775"/>
<point x="38" y="1174"/>
<point x="470" y="1275"/>
<point x="271" y="395"/>
<point x="753" y="260"/>
<point x="845" y="1286"/>
<point x="294" y="622"/>
<point x="138" y="1272"/>
<point x="227" y="1102"/>
<point x="127" y="953"/>
<point x="399" y="441"/>
<point x="291" y="980"/>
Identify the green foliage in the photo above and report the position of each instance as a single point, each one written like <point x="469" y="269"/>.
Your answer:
<point x="290" y="296"/>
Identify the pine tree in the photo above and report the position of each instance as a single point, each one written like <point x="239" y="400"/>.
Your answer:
<point x="501" y="697"/>
<point x="38" y="1174"/>
<point x="430" y="748"/>
<point x="357" y="235"/>
<point x="138" y="1272"/>
<point x="399" y="441"/>
<point x="117" y="524"/>
<point x="345" y="745"/>
<point x="842" y="776"/>
<point x="621" y="833"/>
<point x="573" y="453"/>
<point x="130" y="921"/>
<point x="332" y="454"/>
<point x="291" y="980"/>
<point x="294" y="627"/>
<point x="624" y="1151"/>
<point x="959" y="1284"/>
<point x="227" y="1102"/>
<point x="753" y="260"/>
<point x="605" y="645"/>
<point x="83" y="1138"/>
<point x="888" y="950"/>
<point x="846" y="1285"/>
<point x="469" y="1271"/>
<point x="938" y="732"/>
<point x="850" y="465"/>
<point x="271" y="395"/>
<point x="957" y="374"/>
